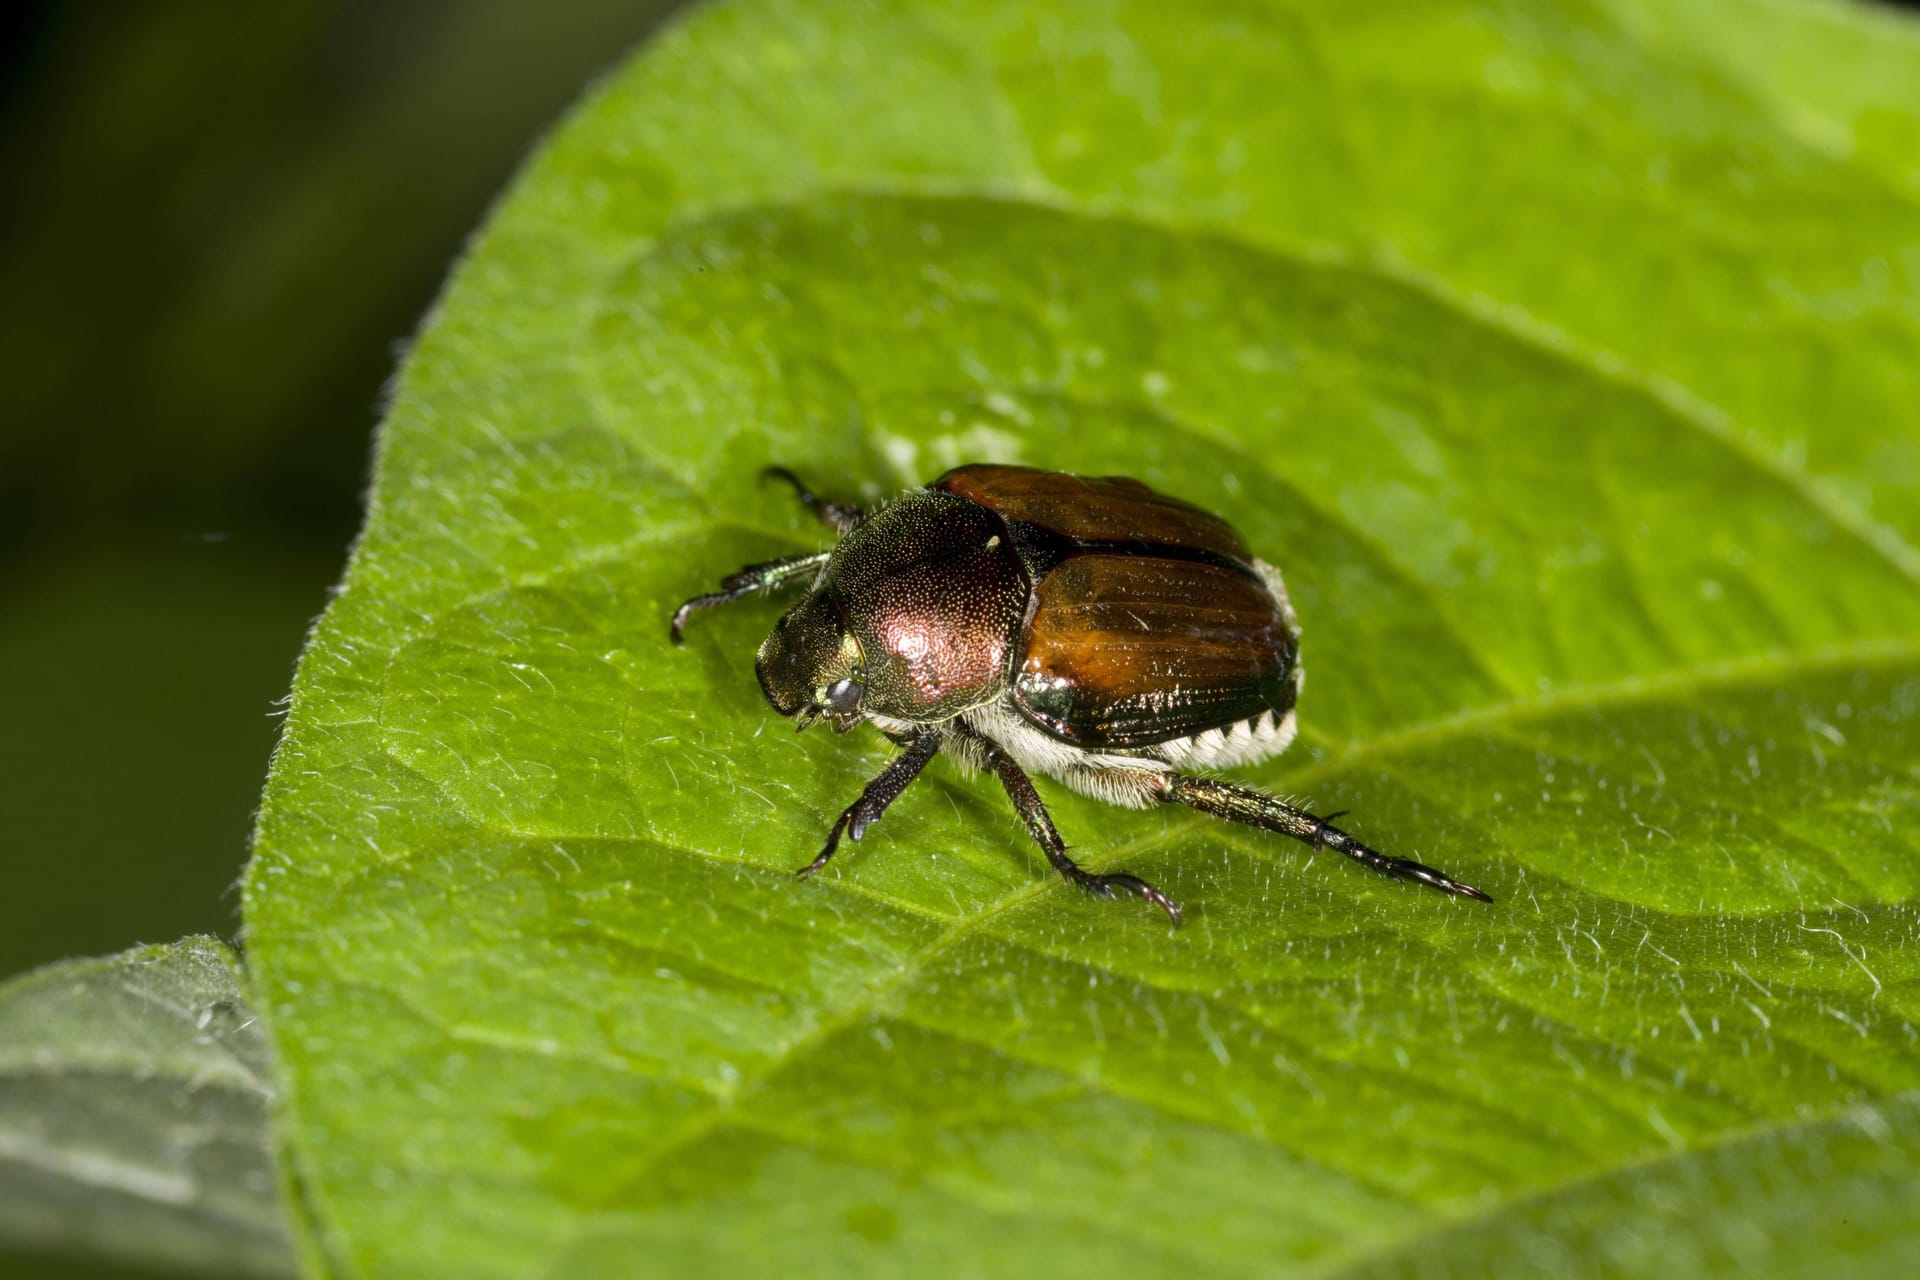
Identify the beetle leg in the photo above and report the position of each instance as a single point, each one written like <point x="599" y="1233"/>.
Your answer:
<point x="1238" y="803"/>
<point x="881" y="792"/>
<point x="1039" y="823"/>
<point x="1323" y="825"/>
<point x="839" y="516"/>
<point x="755" y="578"/>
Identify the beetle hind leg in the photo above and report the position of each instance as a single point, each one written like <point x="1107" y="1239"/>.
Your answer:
<point x="1238" y="803"/>
<point x="1039" y="824"/>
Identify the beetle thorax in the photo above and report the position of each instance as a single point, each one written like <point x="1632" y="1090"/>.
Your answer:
<point x="920" y="607"/>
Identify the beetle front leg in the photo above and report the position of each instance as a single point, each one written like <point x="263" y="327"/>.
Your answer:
<point x="1238" y="803"/>
<point x="881" y="792"/>
<point x="841" y="517"/>
<point x="1039" y="823"/>
<point x="755" y="578"/>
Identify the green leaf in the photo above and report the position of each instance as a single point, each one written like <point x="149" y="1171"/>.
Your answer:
<point x="1571" y="388"/>
<point x="1837" y="75"/>
<point x="1810" y="1199"/>
<point x="134" y="1093"/>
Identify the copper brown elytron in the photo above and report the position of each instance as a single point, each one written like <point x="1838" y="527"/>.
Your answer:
<point x="1081" y="627"/>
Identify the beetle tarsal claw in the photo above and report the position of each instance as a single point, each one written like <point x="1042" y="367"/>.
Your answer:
<point x="1103" y="886"/>
<point x="820" y="860"/>
<point x="676" y="630"/>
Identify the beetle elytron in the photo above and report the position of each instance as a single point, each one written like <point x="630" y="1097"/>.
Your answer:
<point x="1085" y="628"/>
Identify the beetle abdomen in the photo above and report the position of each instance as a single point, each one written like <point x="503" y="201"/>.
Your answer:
<point x="1247" y="742"/>
<point x="1135" y="779"/>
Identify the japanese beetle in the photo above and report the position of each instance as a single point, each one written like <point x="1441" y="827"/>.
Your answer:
<point x="1081" y="627"/>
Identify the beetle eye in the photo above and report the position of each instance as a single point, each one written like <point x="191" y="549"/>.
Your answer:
<point x="843" y="696"/>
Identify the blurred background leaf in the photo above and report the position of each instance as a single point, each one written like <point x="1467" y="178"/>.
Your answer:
<point x="134" y="1113"/>
<point x="1571" y="381"/>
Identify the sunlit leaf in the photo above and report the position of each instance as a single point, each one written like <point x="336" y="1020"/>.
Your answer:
<point x="1574" y="392"/>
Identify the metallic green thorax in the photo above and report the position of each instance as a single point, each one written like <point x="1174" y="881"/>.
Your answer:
<point x="919" y="607"/>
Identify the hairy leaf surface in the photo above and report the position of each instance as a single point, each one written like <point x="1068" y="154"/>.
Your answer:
<point x="1568" y="379"/>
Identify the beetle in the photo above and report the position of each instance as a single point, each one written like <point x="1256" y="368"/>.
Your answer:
<point x="1085" y="628"/>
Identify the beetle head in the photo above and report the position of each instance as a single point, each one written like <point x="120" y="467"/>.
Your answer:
<point x="811" y="667"/>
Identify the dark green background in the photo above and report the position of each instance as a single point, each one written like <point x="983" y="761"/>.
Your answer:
<point x="220" y="222"/>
